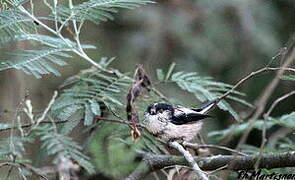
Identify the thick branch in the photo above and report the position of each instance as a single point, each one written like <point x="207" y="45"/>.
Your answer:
<point x="235" y="163"/>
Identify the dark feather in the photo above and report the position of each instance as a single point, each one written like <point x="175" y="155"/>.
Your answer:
<point x="187" y="118"/>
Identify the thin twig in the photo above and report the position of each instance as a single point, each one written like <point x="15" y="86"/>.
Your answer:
<point x="287" y="59"/>
<point x="121" y="121"/>
<point x="281" y="52"/>
<point x="26" y="166"/>
<point x="265" y="69"/>
<point x="218" y="169"/>
<point x="79" y="51"/>
<point x="266" y="116"/>
<point x="30" y="125"/>
<point x="47" y="108"/>
<point x="201" y="175"/>
<point x="161" y="95"/>
<point x="197" y="146"/>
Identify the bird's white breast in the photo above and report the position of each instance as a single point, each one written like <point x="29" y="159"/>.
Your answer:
<point x="185" y="132"/>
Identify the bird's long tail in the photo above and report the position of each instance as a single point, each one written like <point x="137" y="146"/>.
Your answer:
<point x="207" y="107"/>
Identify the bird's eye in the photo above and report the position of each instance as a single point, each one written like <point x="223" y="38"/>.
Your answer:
<point x="160" y="111"/>
<point x="152" y="112"/>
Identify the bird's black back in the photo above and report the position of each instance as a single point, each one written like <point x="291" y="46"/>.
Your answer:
<point x="188" y="118"/>
<point x="177" y="116"/>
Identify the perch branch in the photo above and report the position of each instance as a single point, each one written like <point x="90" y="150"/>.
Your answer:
<point x="190" y="159"/>
<point x="155" y="162"/>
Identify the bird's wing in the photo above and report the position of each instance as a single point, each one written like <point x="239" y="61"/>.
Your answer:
<point x="184" y="115"/>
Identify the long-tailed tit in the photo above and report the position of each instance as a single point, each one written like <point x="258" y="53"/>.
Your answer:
<point x="169" y="122"/>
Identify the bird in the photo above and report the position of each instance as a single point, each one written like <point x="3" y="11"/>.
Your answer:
<point x="174" y="122"/>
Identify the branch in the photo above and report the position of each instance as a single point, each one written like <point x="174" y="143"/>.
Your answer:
<point x="30" y="125"/>
<point x="197" y="146"/>
<point x="262" y="70"/>
<point x="155" y="162"/>
<point x="189" y="158"/>
<point x="47" y="108"/>
<point x="266" y="116"/>
<point x="287" y="59"/>
<point x="121" y="121"/>
<point x="34" y="170"/>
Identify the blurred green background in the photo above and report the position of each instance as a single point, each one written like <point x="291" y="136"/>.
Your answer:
<point x="224" y="39"/>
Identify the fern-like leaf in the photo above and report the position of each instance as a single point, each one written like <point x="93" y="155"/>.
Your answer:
<point x="98" y="10"/>
<point x="204" y="88"/>
<point x="61" y="146"/>
<point x="36" y="62"/>
<point x="286" y="120"/>
<point x="14" y="22"/>
<point x="89" y="92"/>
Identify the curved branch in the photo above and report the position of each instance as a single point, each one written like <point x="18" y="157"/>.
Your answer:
<point x="155" y="162"/>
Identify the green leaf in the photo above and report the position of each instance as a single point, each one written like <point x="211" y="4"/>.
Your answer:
<point x="88" y="115"/>
<point x="62" y="147"/>
<point x="14" y="22"/>
<point x="36" y="62"/>
<point x="204" y="88"/>
<point x="90" y="91"/>
<point x="95" y="107"/>
<point x="287" y="120"/>
<point x="170" y="70"/>
<point x="289" y="77"/>
<point x="239" y="129"/>
<point x="97" y="10"/>
<point x="160" y="74"/>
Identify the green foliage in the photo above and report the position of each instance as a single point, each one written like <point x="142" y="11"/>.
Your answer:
<point x="14" y="146"/>
<point x="18" y="24"/>
<point x="285" y="120"/>
<point x="40" y="62"/>
<point x="90" y="91"/>
<point x="37" y="62"/>
<point x="286" y="143"/>
<point x="204" y="88"/>
<point x="249" y="149"/>
<point x="14" y="22"/>
<point x="61" y="146"/>
<point x="97" y="92"/>
<point x="289" y="77"/>
<point x="114" y="150"/>
<point x="238" y="129"/>
<point x="97" y="10"/>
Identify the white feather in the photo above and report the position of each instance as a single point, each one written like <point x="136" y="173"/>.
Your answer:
<point x="206" y="109"/>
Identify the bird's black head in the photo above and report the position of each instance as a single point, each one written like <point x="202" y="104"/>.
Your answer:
<point x="156" y="108"/>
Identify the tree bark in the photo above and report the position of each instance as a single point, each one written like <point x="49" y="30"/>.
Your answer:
<point x="153" y="162"/>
